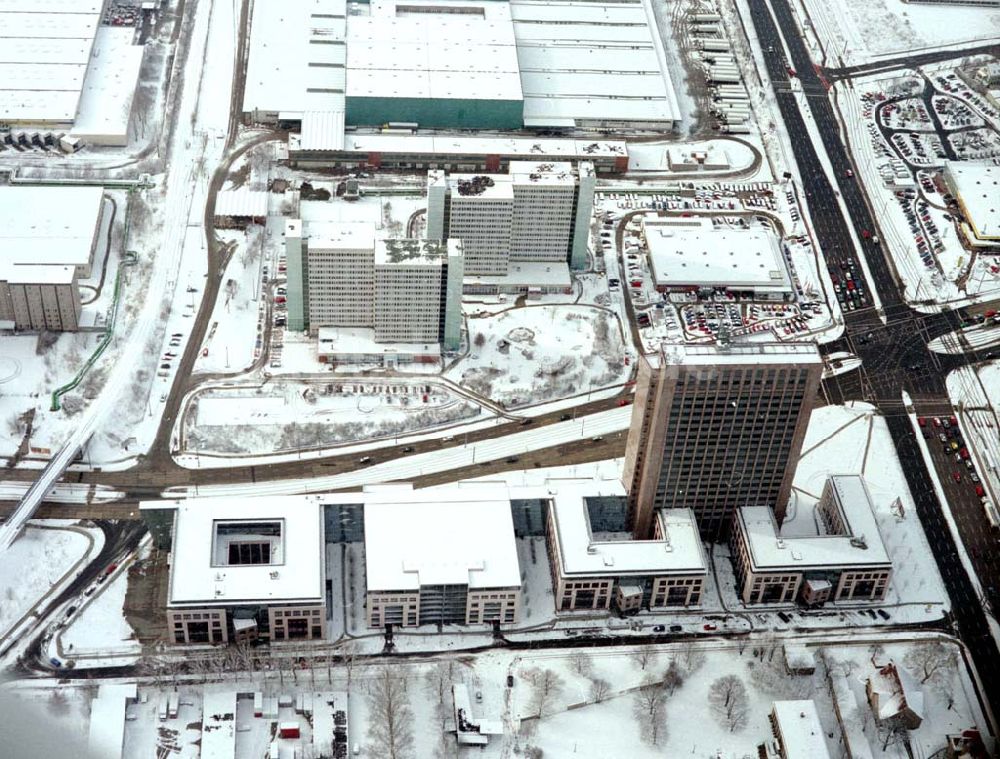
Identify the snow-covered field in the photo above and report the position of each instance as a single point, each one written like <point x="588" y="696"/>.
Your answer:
<point x="533" y="354"/>
<point x="858" y="31"/>
<point x="33" y="565"/>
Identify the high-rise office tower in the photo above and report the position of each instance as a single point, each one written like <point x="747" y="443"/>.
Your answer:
<point x="717" y="427"/>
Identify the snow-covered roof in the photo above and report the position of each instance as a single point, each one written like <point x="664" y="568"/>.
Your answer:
<point x="295" y="572"/>
<point x="684" y="254"/>
<point x="106" y="98"/>
<point x="340" y="235"/>
<point x="850" y="718"/>
<point x="106" y="734"/>
<point x="414" y="251"/>
<point x="325" y="705"/>
<point x="457" y="146"/>
<point x="439" y="536"/>
<point x="799" y="730"/>
<point x="297" y="57"/>
<point x="542" y="172"/>
<point x="591" y="62"/>
<point x="49" y="225"/>
<point x="977" y="186"/>
<point x="895" y="690"/>
<point x="241" y="202"/>
<point x="322" y="130"/>
<point x="448" y="54"/>
<point x="218" y="732"/>
<point x="360" y="341"/>
<point x="526" y="274"/>
<point x="694" y="354"/>
<point x="44" y="49"/>
<point x="37" y="274"/>
<point x="678" y="552"/>
<point x="858" y="545"/>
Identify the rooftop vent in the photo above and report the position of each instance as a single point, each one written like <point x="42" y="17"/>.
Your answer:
<point x="859" y="542"/>
<point x="274" y="574"/>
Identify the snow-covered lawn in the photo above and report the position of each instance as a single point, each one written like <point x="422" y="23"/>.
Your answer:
<point x="100" y="627"/>
<point x="36" y="562"/>
<point x="287" y="415"/>
<point x="538" y="353"/>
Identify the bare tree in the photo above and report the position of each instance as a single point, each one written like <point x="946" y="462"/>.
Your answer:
<point x="727" y="698"/>
<point x="349" y="653"/>
<point x="648" y="704"/>
<point x="643" y="655"/>
<point x="690" y="658"/>
<point x="891" y="732"/>
<point x="546" y="686"/>
<point x="439" y="681"/>
<point x="390" y="726"/>
<point x="581" y="662"/>
<point x="599" y="689"/>
<point x="673" y="678"/>
<point x="933" y="662"/>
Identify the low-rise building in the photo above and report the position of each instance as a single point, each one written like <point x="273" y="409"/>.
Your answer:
<point x="798" y="733"/>
<point x="846" y="561"/>
<point x="440" y="556"/>
<point x="593" y="570"/>
<point x="976" y="187"/>
<point x="692" y="255"/>
<point x="242" y="568"/>
<point x="894" y="694"/>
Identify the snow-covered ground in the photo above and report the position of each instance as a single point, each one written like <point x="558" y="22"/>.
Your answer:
<point x="574" y="715"/>
<point x="534" y="354"/>
<point x="975" y="393"/>
<point x="290" y="415"/>
<point x="37" y="563"/>
<point x="99" y="628"/>
<point x="854" y="32"/>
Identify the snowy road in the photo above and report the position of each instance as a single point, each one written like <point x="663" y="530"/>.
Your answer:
<point x="594" y="425"/>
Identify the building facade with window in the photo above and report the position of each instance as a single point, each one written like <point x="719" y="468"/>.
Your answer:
<point x="242" y="569"/>
<point x="717" y="427"/>
<point x="440" y="556"/>
<point x="592" y="570"/>
<point x="845" y="561"/>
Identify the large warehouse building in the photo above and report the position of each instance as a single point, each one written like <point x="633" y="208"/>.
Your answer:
<point x="61" y="70"/>
<point x="459" y="64"/>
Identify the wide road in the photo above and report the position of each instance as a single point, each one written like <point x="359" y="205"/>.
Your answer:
<point x="895" y="355"/>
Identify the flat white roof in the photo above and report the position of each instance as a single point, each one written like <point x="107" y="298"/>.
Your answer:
<point x="106" y="734"/>
<point x="452" y="147"/>
<point x="361" y="341"/>
<point x="591" y="62"/>
<point x="241" y="202"/>
<point x="680" y="552"/>
<point x="106" y="98"/>
<point x="298" y="577"/>
<point x="49" y="225"/>
<point x="977" y="183"/>
<point x="769" y="549"/>
<point x="527" y="274"/>
<point x="218" y="731"/>
<point x="800" y="729"/>
<point x="339" y="235"/>
<point x="297" y="57"/>
<point x="542" y="172"/>
<point x="414" y="251"/>
<point x="439" y="536"/>
<point x="705" y="256"/>
<point x="37" y="274"/>
<point x="691" y="354"/>
<point x="44" y="49"/>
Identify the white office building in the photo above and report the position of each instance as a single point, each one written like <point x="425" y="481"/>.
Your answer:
<point x="537" y="212"/>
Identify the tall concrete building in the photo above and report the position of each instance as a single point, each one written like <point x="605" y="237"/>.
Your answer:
<point x="404" y="290"/>
<point x="537" y="212"/>
<point x="716" y="428"/>
<point x="39" y="297"/>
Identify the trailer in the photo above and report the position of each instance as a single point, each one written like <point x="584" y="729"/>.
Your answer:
<point x="705" y="28"/>
<point x="731" y="96"/>
<point x="736" y="129"/>
<point x="706" y="17"/>
<point x="716" y="46"/>
<point x="173" y="704"/>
